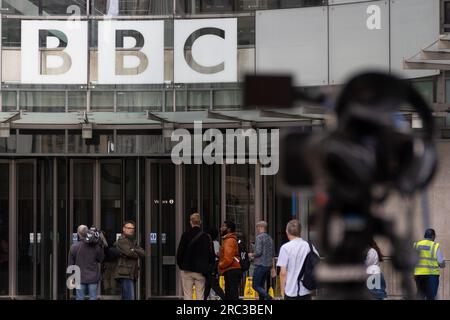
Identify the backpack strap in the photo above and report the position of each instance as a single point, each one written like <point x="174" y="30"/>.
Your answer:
<point x="302" y="270"/>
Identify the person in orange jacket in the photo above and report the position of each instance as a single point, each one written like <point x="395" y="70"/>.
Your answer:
<point x="229" y="265"/>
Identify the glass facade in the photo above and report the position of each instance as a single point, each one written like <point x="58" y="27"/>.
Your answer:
<point x="133" y="98"/>
<point x="57" y="179"/>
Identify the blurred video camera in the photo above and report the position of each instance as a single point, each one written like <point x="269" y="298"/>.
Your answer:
<point x="370" y="150"/>
<point x="92" y="236"/>
<point x="372" y="143"/>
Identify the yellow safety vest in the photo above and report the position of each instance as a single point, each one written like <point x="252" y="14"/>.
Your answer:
<point x="428" y="264"/>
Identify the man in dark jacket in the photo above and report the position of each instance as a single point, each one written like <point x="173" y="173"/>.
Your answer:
<point x="127" y="269"/>
<point x="194" y="256"/>
<point x="87" y="256"/>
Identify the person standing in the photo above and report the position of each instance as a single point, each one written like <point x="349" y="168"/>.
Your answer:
<point x="373" y="261"/>
<point x="229" y="258"/>
<point x="290" y="260"/>
<point x="127" y="268"/>
<point x="263" y="259"/>
<point x="87" y="256"/>
<point x="426" y="273"/>
<point x="195" y="254"/>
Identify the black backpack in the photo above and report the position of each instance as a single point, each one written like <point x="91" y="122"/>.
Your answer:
<point x="307" y="271"/>
<point x="244" y="259"/>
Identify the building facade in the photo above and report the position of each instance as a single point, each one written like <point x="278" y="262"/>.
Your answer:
<point x="85" y="133"/>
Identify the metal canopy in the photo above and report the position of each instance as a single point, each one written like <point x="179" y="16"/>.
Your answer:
<point x="434" y="57"/>
<point x="159" y="120"/>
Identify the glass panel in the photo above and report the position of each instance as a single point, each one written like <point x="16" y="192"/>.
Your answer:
<point x="64" y="233"/>
<point x="8" y="145"/>
<point x="168" y="229"/>
<point x="426" y="88"/>
<point x="191" y="195"/>
<point x="199" y="100"/>
<point x="181" y="98"/>
<point x="229" y="6"/>
<point x="30" y="141"/>
<point x="76" y="100"/>
<point x="162" y="199"/>
<point x="111" y="209"/>
<point x="139" y="141"/>
<point x="155" y="259"/>
<point x="227" y="99"/>
<point x="83" y="194"/>
<point x="45" y="7"/>
<point x="240" y="197"/>
<point x="446" y="12"/>
<point x="100" y="142"/>
<point x="9" y="101"/>
<point x="26" y="238"/>
<point x="139" y="101"/>
<point x="246" y="31"/>
<point x="10" y="33"/>
<point x="211" y="196"/>
<point x="102" y="101"/>
<point x="130" y="190"/>
<point x="279" y="211"/>
<point x="44" y="227"/>
<point x="42" y="101"/>
<point x="133" y="7"/>
<point x="4" y="228"/>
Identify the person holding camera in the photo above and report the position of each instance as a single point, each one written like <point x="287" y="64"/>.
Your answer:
<point x="127" y="269"/>
<point x="87" y="254"/>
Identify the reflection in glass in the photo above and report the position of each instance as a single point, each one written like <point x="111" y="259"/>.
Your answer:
<point x="64" y="233"/>
<point x="133" y="101"/>
<point x="162" y="199"/>
<point x="4" y="228"/>
<point x="8" y="145"/>
<point x="133" y="7"/>
<point x="240" y="199"/>
<point x="45" y="7"/>
<point x="42" y="101"/>
<point x="26" y="239"/>
<point x="111" y="213"/>
<point x="199" y="100"/>
<point x="227" y="99"/>
<point x="100" y="142"/>
<point x="83" y="193"/>
<point x="30" y="141"/>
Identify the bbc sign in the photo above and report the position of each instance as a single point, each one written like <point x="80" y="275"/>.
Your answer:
<point x="129" y="52"/>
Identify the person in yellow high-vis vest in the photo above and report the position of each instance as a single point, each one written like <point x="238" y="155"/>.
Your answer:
<point x="426" y="273"/>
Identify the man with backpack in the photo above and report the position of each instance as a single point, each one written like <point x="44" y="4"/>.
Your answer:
<point x="87" y="254"/>
<point x="262" y="259"/>
<point x="195" y="254"/>
<point x="229" y="260"/>
<point x="297" y="259"/>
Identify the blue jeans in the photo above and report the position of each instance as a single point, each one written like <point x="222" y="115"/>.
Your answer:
<point x="127" y="288"/>
<point x="260" y="275"/>
<point x="91" y="288"/>
<point x="380" y="293"/>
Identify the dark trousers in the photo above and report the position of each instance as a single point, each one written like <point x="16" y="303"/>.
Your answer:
<point x="259" y="278"/>
<point x="232" y="284"/>
<point x="427" y="286"/>
<point x="305" y="297"/>
<point x="212" y="282"/>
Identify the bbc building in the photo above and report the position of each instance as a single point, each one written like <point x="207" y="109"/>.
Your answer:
<point x="91" y="92"/>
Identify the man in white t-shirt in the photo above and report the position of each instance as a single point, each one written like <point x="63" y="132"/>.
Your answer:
<point x="291" y="258"/>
